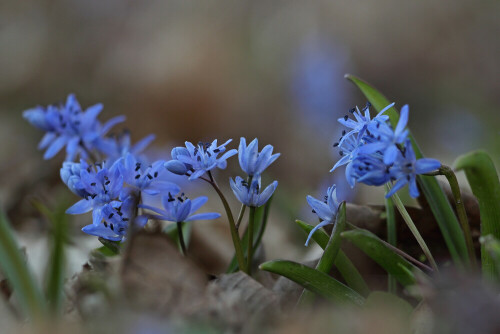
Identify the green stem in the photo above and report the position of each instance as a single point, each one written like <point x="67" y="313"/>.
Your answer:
<point x="411" y="225"/>
<point x="251" y="221"/>
<point x="234" y="232"/>
<point x="181" y="238"/>
<point x="460" y="207"/>
<point x="391" y="237"/>
<point x="240" y="216"/>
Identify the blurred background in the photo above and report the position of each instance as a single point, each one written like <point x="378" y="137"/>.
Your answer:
<point x="198" y="70"/>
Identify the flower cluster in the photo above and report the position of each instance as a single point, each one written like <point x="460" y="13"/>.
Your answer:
<point x="112" y="188"/>
<point x="375" y="153"/>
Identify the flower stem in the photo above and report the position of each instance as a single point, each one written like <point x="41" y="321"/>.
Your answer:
<point x="240" y="216"/>
<point x="181" y="238"/>
<point x="234" y="232"/>
<point x="391" y="237"/>
<point x="251" y="221"/>
<point x="460" y="207"/>
<point x="411" y="225"/>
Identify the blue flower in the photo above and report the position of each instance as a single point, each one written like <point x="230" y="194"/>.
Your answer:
<point x="103" y="187"/>
<point x="180" y="209"/>
<point x="349" y="147"/>
<point x="251" y="161"/>
<point x="199" y="159"/>
<point x="68" y="125"/>
<point x="248" y="194"/>
<point x="144" y="178"/>
<point x="70" y="175"/>
<point x="387" y="139"/>
<point x="368" y="169"/>
<point x="117" y="221"/>
<point x="361" y="123"/>
<point x="407" y="167"/>
<point x="120" y="145"/>
<point x="326" y="210"/>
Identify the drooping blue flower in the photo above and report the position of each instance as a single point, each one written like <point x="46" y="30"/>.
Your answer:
<point x="251" y="161"/>
<point x="144" y="178"/>
<point x="368" y="169"/>
<point x="387" y="139"/>
<point x="200" y="159"/>
<point x="326" y="209"/>
<point x="180" y="209"/>
<point x="103" y="187"/>
<point x="248" y="194"/>
<point x="407" y="167"/>
<point x="71" y="127"/>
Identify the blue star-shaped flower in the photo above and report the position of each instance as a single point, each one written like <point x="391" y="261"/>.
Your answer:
<point x="326" y="210"/>
<point x="361" y="123"/>
<point x="248" y="194"/>
<point x="407" y="167"/>
<point x="180" y="209"/>
<point x="68" y="125"/>
<point x="199" y="159"/>
<point x="251" y="161"/>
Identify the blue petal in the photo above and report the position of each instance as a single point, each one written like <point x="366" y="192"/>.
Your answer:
<point x="55" y="147"/>
<point x="317" y="227"/>
<point x="426" y="165"/>
<point x="267" y="193"/>
<point x="46" y="140"/>
<point x="390" y="154"/>
<point x="176" y="167"/>
<point x="403" y="120"/>
<point x="197" y="203"/>
<point x="413" y="188"/>
<point x="82" y="206"/>
<point x="398" y="185"/>
<point x="142" y="144"/>
<point x="102" y="231"/>
<point x="203" y="216"/>
<point x="112" y="122"/>
<point x="321" y="208"/>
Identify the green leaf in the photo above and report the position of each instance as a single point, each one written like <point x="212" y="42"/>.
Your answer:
<point x="483" y="179"/>
<point x="171" y="231"/>
<point x="261" y="216"/>
<point x="18" y="274"/>
<point x="327" y="260"/>
<point x="314" y="280"/>
<point x="113" y="246"/>
<point x="344" y="265"/>
<point x="492" y="246"/>
<point x="393" y="263"/>
<point x="440" y="207"/>
<point x="58" y="219"/>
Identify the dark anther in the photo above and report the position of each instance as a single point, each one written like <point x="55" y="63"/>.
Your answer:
<point x="216" y="150"/>
<point x="352" y="110"/>
<point x="341" y="153"/>
<point x="125" y="219"/>
<point x="137" y="176"/>
<point x="121" y="229"/>
<point x="171" y="200"/>
<point x="112" y="227"/>
<point x="120" y="213"/>
<point x="346" y="117"/>
<point x="180" y="199"/>
<point x="137" y="168"/>
<point x="156" y="174"/>
<point x="368" y="104"/>
<point x="93" y="196"/>
<point x="92" y="184"/>
<point x="198" y="158"/>
<point x="111" y="215"/>
<point x="107" y="182"/>
<point x="408" y="164"/>
<point x="313" y="211"/>
<point x="343" y="132"/>
<point x="105" y="224"/>
<point x="149" y="176"/>
<point x="335" y="144"/>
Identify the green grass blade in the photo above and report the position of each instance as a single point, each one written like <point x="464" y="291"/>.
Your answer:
<point x="18" y="274"/>
<point x="440" y="207"/>
<point x="314" y="280"/>
<point x="393" y="263"/>
<point x="261" y="217"/>
<point x="54" y="290"/>
<point x="492" y="246"/>
<point x="344" y="265"/>
<point x="483" y="179"/>
<point x="391" y="237"/>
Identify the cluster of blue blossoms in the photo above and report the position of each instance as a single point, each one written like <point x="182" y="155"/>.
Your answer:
<point x="374" y="154"/>
<point x="112" y="175"/>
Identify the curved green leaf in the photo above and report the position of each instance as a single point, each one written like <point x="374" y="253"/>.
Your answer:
<point x="344" y="265"/>
<point x="483" y="179"/>
<point x="440" y="207"/>
<point x="314" y="280"/>
<point x="393" y="263"/>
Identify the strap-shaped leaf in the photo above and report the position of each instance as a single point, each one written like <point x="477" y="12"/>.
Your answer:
<point x="393" y="263"/>
<point x="314" y="280"/>
<point x="16" y="270"/>
<point x="483" y="179"/>
<point x="344" y="265"/>
<point x="441" y="208"/>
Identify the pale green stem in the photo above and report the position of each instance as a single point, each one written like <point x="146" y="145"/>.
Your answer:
<point x="251" y="221"/>
<point x="411" y="225"/>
